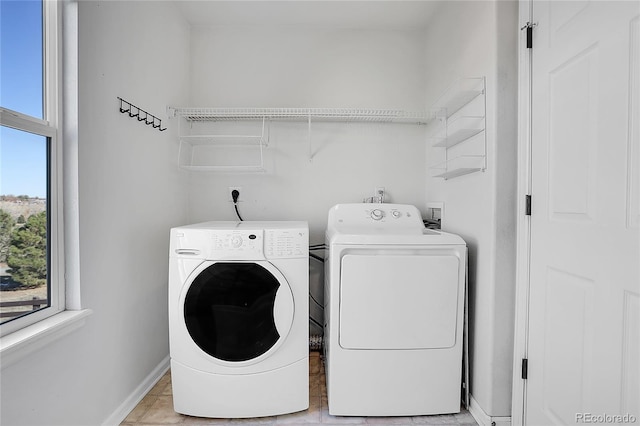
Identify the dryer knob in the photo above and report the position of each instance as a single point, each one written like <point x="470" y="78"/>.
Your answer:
<point x="377" y="214"/>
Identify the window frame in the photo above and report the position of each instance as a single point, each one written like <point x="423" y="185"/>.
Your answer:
<point x="50" y="128"/>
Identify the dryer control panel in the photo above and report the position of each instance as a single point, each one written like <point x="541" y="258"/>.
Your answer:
<point x="384" y="215"/>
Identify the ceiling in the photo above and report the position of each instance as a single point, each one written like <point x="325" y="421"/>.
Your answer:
<point x="362" y="14"/>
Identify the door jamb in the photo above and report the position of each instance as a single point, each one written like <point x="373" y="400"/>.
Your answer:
<point x="523" y="225"/>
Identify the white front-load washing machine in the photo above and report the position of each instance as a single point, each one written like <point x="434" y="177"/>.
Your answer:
<point x="394" y="303"/>
<point x="238" y="318"/>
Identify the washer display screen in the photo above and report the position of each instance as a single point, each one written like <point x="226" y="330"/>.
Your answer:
<point x="228" y="311"/>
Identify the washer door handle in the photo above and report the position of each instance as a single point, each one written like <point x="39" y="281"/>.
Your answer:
<point x="189" y="252"/>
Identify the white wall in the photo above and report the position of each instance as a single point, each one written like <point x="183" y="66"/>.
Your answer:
<point x="291" y="66"/>
<point x="130" y="193"/>
<point x="473" y="39"/>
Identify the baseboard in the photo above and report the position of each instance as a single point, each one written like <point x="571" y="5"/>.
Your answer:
<point x="136" y="396"/>
<point x="483" y="418"/>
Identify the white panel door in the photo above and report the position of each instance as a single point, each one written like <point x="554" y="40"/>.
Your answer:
<point x="584" y="282"/>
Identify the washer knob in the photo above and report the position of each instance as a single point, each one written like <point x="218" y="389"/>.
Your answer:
<point x="377" y="214"/>
<point x="396" y="214"/>
<point x="236" y="241"/>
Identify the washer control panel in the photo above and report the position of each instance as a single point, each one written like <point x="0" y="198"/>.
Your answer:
<point x="259" y="244"/>
<point x="282" y="243"/>
<point x="237" y="244"/>
<point x="251" y="240"/>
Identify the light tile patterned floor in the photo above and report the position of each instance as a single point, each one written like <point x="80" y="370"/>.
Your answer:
<point x="157" y="409"/>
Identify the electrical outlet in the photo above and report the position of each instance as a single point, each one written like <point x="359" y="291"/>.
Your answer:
<point x="236" y="188"/>
<point x="434" y="210"/>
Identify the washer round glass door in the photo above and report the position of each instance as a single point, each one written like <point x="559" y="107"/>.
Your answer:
<point x="238" y="311"/>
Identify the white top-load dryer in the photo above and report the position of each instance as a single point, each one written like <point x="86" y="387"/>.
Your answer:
<point x="394" y="305"/>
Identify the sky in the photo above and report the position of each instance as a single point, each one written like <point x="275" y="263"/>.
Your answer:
<point x="22" y="155"/>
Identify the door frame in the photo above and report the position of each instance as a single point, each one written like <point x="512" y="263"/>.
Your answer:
<point x="523" y="223"/>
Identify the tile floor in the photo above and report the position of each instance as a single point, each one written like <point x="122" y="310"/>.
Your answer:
<point x="157" y="409"/>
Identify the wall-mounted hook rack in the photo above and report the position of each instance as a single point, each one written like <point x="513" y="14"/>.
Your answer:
<point x="127" y="107"/>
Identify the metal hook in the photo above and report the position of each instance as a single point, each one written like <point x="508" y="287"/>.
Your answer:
<point x="159" y="126"/>
<point x="122" y="110"/>
<point x="145" y="115"/>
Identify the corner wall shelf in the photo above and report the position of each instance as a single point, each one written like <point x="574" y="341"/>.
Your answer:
<point x="459" y="166"/>
<point x="197" y="152"/>
<point x="458" y="95"/>
<point x="460" y="130"/>
<point x="458" y="116"/>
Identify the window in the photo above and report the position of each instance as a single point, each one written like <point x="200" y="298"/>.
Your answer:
<point x="31" y="283"/>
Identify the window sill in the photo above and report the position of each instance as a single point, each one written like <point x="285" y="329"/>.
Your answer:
<point x="17" y="345"/>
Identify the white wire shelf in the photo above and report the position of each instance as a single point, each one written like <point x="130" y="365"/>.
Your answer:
<point x="460" y="115"/>
<point x="458" y="172"/>
<point x="459" y="166"/>
<point x="203" y="151"/>
<point x="460" y="130"/>
<point x="302" y="114"/>
<point x="458" y="95"/>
